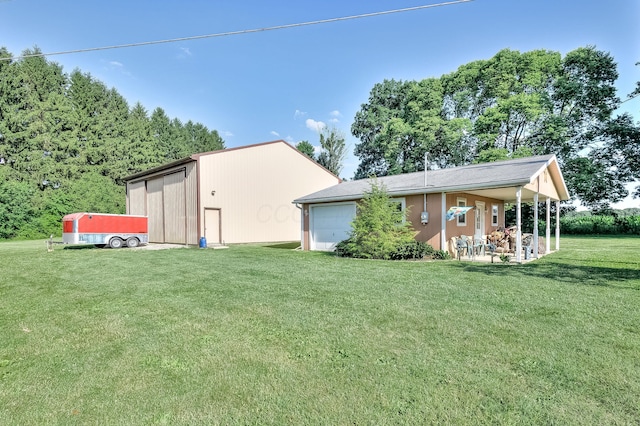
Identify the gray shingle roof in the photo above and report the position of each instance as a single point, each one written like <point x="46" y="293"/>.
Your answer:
<point x="498" y="174"/>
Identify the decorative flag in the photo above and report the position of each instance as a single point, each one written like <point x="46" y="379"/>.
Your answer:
<point x="456" y="211"/>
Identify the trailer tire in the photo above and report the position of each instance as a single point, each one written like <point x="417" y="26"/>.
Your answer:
<point x="133" y="242"/>
<point x="115" y="243"/>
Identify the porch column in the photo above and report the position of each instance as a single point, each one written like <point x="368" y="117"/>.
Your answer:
<point x="557" y="225"/>
<point x="535" y="225"/>
<point x="548" y="227"/>
<point x="519" y="224"/>
<point x="443" y="223"/>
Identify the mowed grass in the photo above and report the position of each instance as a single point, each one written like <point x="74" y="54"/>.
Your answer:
<point x="260" y="335"/>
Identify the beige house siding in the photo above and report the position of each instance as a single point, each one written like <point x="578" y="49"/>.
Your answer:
<point x="254" y="187"/>
<point x="430" y="232"/>
<point x="544" y="185"/>
<point x="454" y="229"/>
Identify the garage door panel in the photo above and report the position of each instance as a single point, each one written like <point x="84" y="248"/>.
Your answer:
<point x="174" y="209"/>
<point x="156" y="209"/>
<point x="331" y="224"/>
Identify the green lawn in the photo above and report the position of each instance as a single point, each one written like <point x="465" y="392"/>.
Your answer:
<point x="262" y="335"/>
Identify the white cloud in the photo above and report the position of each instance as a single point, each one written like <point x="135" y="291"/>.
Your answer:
<point x="117" y="66"/>
<point x="299" y="114"/>
<point x="289" y="139"/>
<point x="186" y="51"/>
<point x="274" y="133"/>
<point x="314" y="125"/>
<point x="335" y="116"/>
<point x="227" y="134"/>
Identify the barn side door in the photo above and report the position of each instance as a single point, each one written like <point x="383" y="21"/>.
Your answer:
<point x="213" y="226"/>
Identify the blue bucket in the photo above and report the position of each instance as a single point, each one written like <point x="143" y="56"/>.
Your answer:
<point x="203" y="242"/>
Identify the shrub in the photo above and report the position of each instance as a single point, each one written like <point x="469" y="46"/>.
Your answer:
<point x="379" y="230"/>
<point x="412" y="250"/>
<point x="440" y="255"/>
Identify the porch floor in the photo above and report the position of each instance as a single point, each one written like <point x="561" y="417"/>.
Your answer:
<point x="487" y="258"/>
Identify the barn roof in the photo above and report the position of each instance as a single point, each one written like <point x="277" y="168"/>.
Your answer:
<point x="497" y="180"/>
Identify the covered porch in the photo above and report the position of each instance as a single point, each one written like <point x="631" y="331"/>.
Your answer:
<point x="546" y="186"/>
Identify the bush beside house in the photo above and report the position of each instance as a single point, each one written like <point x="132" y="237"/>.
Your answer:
<point x="380" y="231"/>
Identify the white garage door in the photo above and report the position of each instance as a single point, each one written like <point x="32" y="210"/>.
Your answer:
<point x="330" y="224"/>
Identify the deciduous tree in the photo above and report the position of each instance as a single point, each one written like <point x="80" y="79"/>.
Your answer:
<point x="333" y="151"/>
<point x="513" y="104"/>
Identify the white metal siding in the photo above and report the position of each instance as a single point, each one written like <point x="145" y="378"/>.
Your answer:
<point x="254" y="187"/>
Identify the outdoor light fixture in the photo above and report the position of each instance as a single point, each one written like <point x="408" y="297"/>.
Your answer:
<point x="213" y="193"/>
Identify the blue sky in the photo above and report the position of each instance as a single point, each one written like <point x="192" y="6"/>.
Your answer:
<point x="283" y="84"/>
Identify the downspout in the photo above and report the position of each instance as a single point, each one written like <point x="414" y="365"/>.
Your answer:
<point x="518" y="224"/>
<point x="301" y="225"/>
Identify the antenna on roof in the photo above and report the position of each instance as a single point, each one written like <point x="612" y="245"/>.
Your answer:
<point x="426" y="156"/>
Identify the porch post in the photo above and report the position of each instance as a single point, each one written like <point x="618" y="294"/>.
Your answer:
<point x="519" y="224"/>
<point x="443" y="223"/>
<point x="548" y="227"/>
<point x="535" y="225"/>
<point x="557" y="225"/>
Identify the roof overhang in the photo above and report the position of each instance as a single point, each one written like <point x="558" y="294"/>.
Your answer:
<point x="158" y="169"/>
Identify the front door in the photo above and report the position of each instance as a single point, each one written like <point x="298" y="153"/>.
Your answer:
<point x="480" y="214"/>
<point x="212" y="226"/>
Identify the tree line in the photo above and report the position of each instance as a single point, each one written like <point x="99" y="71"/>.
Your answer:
<point x="511" y="105"/>
<point x="67" y="141"/>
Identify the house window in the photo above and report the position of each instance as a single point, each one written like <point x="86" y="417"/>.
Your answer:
<point x="494" y="215"/>
<point x="400" y="205"/>
<point x="462" y="219"/>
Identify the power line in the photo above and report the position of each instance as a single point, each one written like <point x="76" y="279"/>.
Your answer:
<point x="232" y="33"/>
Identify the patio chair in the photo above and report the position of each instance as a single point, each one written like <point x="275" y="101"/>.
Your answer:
<point x="478" y="246"/>
<point x="462" y="246"/>
<point x="527" y="245"/>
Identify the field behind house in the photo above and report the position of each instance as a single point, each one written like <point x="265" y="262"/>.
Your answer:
<point x="262" y="335"/>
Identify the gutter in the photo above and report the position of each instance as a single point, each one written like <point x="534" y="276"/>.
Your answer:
<point x="412" y="191"/>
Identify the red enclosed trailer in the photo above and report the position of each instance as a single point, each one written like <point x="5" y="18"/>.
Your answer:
<point x="114" y="230"/>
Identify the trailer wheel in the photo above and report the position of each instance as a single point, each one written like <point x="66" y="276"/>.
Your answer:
<point x="133" y="242"/>
<point x="115" y="243"/>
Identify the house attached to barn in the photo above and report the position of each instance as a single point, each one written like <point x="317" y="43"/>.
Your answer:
<point x="236" y="195"/>
<point x="327" y="214"/>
